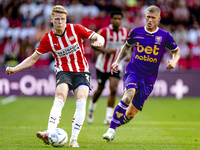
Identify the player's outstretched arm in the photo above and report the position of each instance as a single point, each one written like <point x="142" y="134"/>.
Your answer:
<point x="175" y="57"/>
<point x="29" y="61"/>
<point x="124" y="51"/>
<point x="104" y="50"/>
<point x="101" y="49"/>
<point x="98" y="41"/>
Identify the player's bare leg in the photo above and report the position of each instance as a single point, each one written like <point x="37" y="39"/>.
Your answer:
<point x="131" y="111"/>
<point x="93" y="103"/>
<point x="111" y="99"/>
<point x="97" y="93"/>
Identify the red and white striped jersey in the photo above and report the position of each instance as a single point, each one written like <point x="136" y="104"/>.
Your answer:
<point x="113" y="40"/>
<point x="67" y="49"/>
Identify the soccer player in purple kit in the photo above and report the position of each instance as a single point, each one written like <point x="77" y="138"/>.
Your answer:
<point x="149" y="43"/>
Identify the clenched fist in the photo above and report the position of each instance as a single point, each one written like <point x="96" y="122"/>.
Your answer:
<point x="96" y="44"/>
<point x="10" y="70"/>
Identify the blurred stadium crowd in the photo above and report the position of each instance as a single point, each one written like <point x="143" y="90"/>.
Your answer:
<point x="24" y="22"/>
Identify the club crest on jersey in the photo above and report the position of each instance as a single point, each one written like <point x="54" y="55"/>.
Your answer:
<point x="158" y="39"/>
<point x="71" y="38"/>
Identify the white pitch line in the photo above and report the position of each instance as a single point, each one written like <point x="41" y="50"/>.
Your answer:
<point x="8" y="100"/>
<point x="91" y="128"/>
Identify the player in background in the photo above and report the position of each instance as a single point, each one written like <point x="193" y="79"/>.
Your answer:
<point x="64" y="41"/>
<point x="115" y="36"/>
<point x="149" y="43"/>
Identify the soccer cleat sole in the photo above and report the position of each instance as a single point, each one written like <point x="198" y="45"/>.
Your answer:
<point x="107" y="139"/>
<point x="40" y="136"/>
<point x="73" y="144"/>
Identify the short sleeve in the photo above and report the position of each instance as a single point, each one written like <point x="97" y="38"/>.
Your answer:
<point x="44" y="45"/>
<point x="130" y="40"/>
<point x="170" y="43"/>
<point x="84" y="33"/>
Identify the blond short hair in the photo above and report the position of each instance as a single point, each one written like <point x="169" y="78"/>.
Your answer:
<point x="153" y="9"/>
<point x="58" y="9"/>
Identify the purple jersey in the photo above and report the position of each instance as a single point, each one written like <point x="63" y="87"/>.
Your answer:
<point x="148" y="51"/>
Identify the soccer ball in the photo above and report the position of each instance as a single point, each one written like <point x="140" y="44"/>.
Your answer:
<point x="57" y="137"/>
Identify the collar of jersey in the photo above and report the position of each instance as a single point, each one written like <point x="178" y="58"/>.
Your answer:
<point x="111" y="27"/>
<point x="151" y="32"/>
<point x="61" y="34"/>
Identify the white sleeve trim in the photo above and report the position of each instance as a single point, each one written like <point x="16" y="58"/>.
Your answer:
<point x="174" y="49"/>
<point x="91" y="35"/>
<point x="128" y="44"/>
<point x="38" y="52"/>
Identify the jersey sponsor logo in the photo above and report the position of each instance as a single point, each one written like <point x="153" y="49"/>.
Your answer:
<point x="146" y="58"/>
<point x="148" y="50"/>
<point x="68" y="50"/>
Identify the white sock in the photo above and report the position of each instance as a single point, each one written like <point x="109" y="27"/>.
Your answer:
<point x="55" y="114"/>
<point x="109" y="113"/>
<point x="78" y="119"/>
<point x="92" y="106"/>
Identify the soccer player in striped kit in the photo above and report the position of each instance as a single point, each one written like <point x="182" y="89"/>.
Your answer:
<point x="64" y="41"/>
<point x="149" y="44"/>
<point x="115" y="36"/>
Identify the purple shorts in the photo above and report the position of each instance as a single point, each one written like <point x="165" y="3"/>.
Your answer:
<point x="143" y="89"/>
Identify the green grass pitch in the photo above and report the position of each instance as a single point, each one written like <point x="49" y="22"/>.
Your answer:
<point x="164" y="124"/>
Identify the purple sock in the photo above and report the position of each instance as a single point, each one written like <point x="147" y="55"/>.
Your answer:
<point x="118" y="114"/>
<point x="125" y="121"/>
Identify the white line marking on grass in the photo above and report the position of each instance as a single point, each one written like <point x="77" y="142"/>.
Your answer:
<point x="177" y="128"/>
<point x="83" y="128"/>
<point x="8" y="100"/>
<point x="92" y="128"/>
<point x="166" y="123"/>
